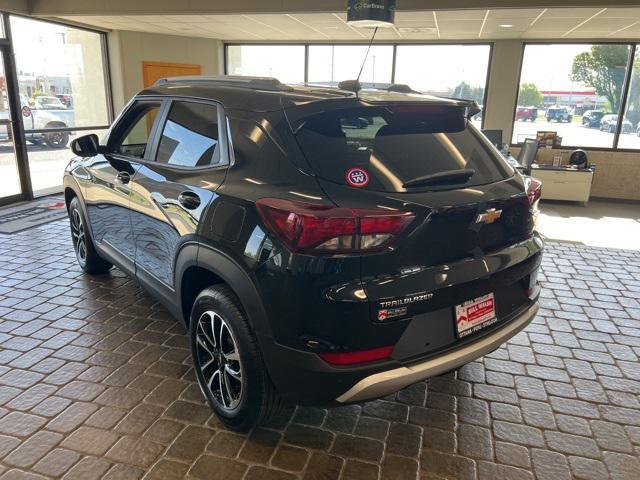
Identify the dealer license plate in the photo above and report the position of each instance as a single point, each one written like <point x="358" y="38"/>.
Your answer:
<point x="474" y="315"/>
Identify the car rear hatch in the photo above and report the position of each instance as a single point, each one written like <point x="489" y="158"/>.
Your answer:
<point x="471" y="233"/>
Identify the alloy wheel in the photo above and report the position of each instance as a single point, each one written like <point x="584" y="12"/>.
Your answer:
<point x="218" y="360"/>
<point x="79" y="236"/>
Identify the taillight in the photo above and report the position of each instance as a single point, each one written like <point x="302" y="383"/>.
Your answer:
<point x="360" y="356"/>
<point x="309" y="228"/>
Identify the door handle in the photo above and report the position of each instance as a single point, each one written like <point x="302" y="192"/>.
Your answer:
<point x="189" y="200"/>
<point x="123" y="177"/>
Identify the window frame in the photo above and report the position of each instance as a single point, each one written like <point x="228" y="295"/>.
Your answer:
<point x="226" y="150"/>
<point x="120" y="128"/>
<point x="623" y="98"/>
<point x="395" y="46"/>
<point x="222" y="143"/>
<point x="106" y="71"/>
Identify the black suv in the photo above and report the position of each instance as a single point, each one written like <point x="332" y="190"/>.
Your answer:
<point x="592" y="118"/>
<point x="315" y="258"/>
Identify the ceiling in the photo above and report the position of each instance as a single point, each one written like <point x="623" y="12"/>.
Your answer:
<point x="542" y="23"/>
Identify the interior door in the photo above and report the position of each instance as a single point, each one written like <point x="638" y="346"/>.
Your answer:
<point x="172" y="189"/>
<point x="108" y="190"/>
<point x="153" y="71"/>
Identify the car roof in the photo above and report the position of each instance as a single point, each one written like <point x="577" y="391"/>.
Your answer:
<point x="268" y="94"/>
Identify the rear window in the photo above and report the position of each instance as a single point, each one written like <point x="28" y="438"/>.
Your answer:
<point x="383" y="148"/>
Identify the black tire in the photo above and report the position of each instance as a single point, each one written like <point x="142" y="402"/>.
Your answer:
<point x="57" y="139"/>
<point x="251" y="399"/>
<point x="88" y="258"/>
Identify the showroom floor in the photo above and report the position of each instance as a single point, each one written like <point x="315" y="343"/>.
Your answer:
<point x="95" y="383"/>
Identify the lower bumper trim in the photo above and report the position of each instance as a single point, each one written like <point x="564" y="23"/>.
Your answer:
<point x="384" y="383"/>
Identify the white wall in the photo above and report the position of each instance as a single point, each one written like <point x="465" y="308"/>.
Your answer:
<point x="127" y="51"/>
<point x="502" y="90"/>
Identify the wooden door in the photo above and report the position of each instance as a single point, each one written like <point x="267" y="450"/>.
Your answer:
<point x="153" y="71"/>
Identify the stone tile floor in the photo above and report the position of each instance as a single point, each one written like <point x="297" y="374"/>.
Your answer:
<point x="95" y="382"/>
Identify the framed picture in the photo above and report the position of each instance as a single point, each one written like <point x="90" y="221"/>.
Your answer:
<point x="548" y="139"/>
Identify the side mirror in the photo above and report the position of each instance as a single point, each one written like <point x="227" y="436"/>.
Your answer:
<point x="86" y="146"/>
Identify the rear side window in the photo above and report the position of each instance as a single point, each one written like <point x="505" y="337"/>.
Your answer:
<point x="394" y="145"/>
<point x="190" y="136"/>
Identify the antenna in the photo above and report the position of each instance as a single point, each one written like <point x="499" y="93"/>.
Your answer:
<point x="367" y="54"/>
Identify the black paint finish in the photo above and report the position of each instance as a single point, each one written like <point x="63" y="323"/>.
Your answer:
<point x="164" y="222"/>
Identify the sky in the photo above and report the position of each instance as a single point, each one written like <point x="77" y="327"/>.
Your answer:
<point x="39" y="47"/>
<point x="549" y="66"/>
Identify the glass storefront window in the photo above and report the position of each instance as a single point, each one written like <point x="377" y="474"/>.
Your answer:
<point x="284" y="62"/>
<point x="330" y="64"/>
<point x="631" y="139"/>
<point x="445" y="70"/>
<point x="574" y="90"/>
<point x="61" y="78"/>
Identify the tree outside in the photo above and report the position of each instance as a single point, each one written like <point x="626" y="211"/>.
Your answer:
<point x="529" y="95"/>
<point x="603" y="68"/>
<point x="466" y="91"/>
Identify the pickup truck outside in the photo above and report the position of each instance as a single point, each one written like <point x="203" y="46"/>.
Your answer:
<point x="47" y="113"/>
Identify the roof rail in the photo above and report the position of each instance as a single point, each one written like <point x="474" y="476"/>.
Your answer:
<point x="255" y="83"/>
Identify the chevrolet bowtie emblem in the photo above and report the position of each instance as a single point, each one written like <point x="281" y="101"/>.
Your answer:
<point x="489" y="216"/>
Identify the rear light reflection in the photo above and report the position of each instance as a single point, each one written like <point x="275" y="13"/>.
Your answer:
<point x="353" y="358"/>
<point x="309" y="228"/>
<point x="534" y="191"/>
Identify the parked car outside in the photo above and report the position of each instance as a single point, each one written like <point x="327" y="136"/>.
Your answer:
<point x="524" y="114"/>
<point x="559" y="114"/>
<point x="48" y="103"/>
<point x="591" y="118"/>
<point x="609" y="123"/>
<point x="312" y="262"/>
<point x="43" y="118"/>
<point x="66" y="99"/>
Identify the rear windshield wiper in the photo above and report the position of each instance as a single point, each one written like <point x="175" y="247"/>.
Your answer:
<point x="448" y="176"/>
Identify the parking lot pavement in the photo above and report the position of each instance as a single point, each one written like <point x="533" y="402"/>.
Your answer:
<point x="574" y="134"/>
<point x="95" y="382"/>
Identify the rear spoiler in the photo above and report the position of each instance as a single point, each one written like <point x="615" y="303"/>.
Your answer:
<point x="472" y="106"/>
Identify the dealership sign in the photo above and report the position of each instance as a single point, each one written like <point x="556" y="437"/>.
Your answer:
<point x="371" y="13"/>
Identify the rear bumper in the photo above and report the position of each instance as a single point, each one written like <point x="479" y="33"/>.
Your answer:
<point x="384" y="383"/>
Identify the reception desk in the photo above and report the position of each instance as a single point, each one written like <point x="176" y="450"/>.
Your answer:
<point x="560" y="183"/>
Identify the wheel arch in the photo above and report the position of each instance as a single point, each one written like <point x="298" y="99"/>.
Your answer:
<point x="55" y="124"/>
<point x="69" y="194"/>
<point x="199" y="266"/>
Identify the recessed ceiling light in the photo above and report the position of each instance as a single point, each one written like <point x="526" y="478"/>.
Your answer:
<point x="506" y="25"/>
<point x="416" y="29"/>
